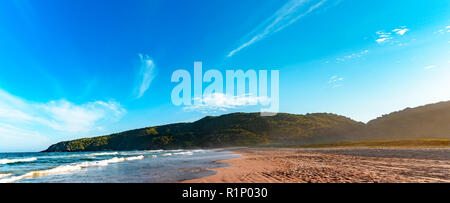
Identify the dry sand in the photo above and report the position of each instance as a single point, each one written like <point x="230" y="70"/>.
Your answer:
<point x="334" y="166"/>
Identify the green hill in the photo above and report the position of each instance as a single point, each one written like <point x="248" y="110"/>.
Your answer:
<point x="431" y="121"/>
<point x="237" y="129"/>
<point x="250" y="129"/>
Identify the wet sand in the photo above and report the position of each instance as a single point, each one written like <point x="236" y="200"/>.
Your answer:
<point x="334" y="166"/>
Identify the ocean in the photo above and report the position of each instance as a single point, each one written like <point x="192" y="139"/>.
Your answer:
<point x="110" y="167"/>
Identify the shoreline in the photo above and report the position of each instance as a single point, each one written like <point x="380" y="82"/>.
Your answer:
<point x="332" y="165"/>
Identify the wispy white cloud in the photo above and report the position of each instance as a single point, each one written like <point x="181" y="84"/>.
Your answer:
<point x="381" y="40"/>
<point x="383" y="37"/>
<point x="65" y="116"/>
<point x="400" y="31"/>
<point x="20" y="118"/>
<point x="430" y="67"/>
<point x="28" y="139"/>
<point x="352" y="56"/>
<point x="221" y="102"/>
<point x="146" y="74"/>
<point x="335" y="81"/>
<point x="444" y="30"/>
<point x="12" y="133"/>
<point x="291" y="12"/>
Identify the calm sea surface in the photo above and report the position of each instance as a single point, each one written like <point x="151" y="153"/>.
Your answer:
<point x="109" y="167"/>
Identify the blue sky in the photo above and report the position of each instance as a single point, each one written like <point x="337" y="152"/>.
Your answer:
<point x="73" y="69"/>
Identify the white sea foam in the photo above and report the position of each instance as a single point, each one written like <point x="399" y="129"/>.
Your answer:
<point x="93" y="154"/>
<point x="4" y="175"/>
<point x="178" y="153"/>
<point x="183" y="153"/>
<point x="69" y="168"/>
<point x="146" y="152"/>
<point x="134" y="158"/>
<point x="104" y="154"/>
<point x="8" y="161"/>
<point x="168" y="152"/>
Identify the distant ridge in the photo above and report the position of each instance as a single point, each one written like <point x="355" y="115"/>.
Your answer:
<point x="250" y="129"/>
<point x="430" y="121"/>
<point x="236" y="129"/>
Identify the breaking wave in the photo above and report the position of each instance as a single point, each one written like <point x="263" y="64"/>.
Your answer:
<point x="178" y="153"/>
<point x="3" y="175"/>
<point x="183" y="153"/>
<point x="8" y="161"/>
<point x="104" y="154"/>
<point x="69" y="168"/>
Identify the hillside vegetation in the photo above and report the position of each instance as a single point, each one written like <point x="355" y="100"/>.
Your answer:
<point x="429" y="122"/>
<point x="250" y="129"/>
<point x="404" y="143"/>
<point x="237" y="129"/>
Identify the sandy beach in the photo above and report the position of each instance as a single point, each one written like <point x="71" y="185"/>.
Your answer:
<point x="334" y="166"/>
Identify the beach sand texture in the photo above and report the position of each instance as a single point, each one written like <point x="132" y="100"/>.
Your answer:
<point x="334" y="166"/>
